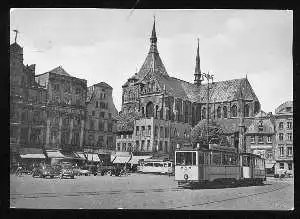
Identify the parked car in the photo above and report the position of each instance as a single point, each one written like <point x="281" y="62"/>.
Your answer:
<point x="81" y="172"/>
<point x="43" y="172"/>
<point x="67" y="171"/>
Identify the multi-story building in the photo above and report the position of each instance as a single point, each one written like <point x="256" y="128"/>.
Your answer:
<point x="163" y="109"/>
<point x="27" y="109"/>
<point x="66" y="110"/>
<point x="260" y="138"/>
<point x="284" y="138"/>
<point x="100" y="126"/>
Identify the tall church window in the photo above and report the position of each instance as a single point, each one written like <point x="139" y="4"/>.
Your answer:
<point x="246" y="110"/>
<point x="225" y="111"/>
<point x="219" y="112"/>
<point x="234" y="111"/>
<point x="143" y="111"/>
<point x="156" y="111"/>
<point x="149" y="110"/>
<point x="203" y="113"/>
<point x="256" y="107"/>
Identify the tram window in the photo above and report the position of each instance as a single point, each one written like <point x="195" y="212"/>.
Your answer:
<point x="216" y="158"/>
<point x="206" y="158"/>
<point x="225" y="159"/>
<point x="201" y="158"/>
<point x="169" y="164"/>
<point x="186" y="158"/>
<point x="165" y="165"/>
<point x="246" y="161"/>
<point x="148" y="165"/>
<point x="158" y="165"/>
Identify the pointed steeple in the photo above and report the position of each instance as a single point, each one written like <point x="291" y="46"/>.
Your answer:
<point x="197" y="74"/>
<point x="153" y="40"/>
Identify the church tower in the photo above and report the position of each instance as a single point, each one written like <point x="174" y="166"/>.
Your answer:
<point x="198" y="78"/>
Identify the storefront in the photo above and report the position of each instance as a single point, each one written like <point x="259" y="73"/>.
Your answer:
<point x="54" y="156"/>
<point x="30" y="156"/>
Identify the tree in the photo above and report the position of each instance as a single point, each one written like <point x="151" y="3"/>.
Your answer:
<point x="215" y="134"/>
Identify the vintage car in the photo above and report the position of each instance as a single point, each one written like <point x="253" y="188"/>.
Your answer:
<point x="81" y="172"/>
<point x="67" y="171"/>
<point x="43" y="172"/>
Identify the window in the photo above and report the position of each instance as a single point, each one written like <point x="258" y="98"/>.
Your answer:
<point x="101" y="126"/>
<point x="109" y="115"/>
<point x="155" y="131"/>
<point x="203" y="113"/>
<point x="290" y="166"/>
<point x="102" y="114"/>
<point x="252" y="139"/>
<point x="289" y="125"/>
<point x="142" y="145"/>
<point x="225" y="112"/>
<point x="216" y="158"/>
<point x="149" y="129"/>
<point x="289" y="109"/>
<point x="160" y="146"/>
<point x="185" y="158"/>
<point x="246" y="110"/>
<point x="124" y="147"/>
<point x="281" y="151"/>
<point x="148" y="145"/>
<point x="269" y="139"/>
<point x="280" y="136"/>
<point x="129" y="148"/>
<point x="281" y="165"/>
<point x="166" y="146"/>
<point x="281" y="125"/>
<point x="260" y="139"/>
<point x="77" y="91"/>
<point x="148" y="165"/>
<point x="219" y="112"/>
<point x="137" y="130"/>
<point x="96" y="104"/>
<point x="166" y="132"/>
<point x="118" y="147"/>
<point x="56" y="87"/>
<point x="109" y="127"/>
<point x="93" y="113"/>
<point x="143" y="130"/>
<point x="234" y="111"/>
<point x="260" y="126"/>
<point x="161" y="132"/>
<point x="289" y="151"/>
<point x="289" y="137"/>
<point x="158" y="165"/>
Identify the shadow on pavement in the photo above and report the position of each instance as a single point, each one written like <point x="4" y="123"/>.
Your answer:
<point x="221" y="186"/>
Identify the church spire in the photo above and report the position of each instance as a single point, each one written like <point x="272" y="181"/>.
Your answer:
<point x="153" y="40"/>
<point x="197" y="74"/>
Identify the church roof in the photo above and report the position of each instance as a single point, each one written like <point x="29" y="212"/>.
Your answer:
<point x="60" y="71"/>
<point x="103" y="84"/>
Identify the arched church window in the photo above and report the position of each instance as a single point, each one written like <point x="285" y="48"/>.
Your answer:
<point x="149" y="110"/>
<point x="203" y="113"/>
<point x="256" y="107"/>
<point x="225" y="111"/>
<point x="156" y="111"/>
<point x="219" y="112"/>
<point x="143" y="111"/>
<point x="246" y="110"/>
<point x="234" y="111"/>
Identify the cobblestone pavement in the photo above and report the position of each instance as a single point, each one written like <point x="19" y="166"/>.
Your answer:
<point x="138" y="191"/>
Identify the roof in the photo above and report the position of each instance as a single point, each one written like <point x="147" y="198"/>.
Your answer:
<point x="268" y="127"/>
<point x="103" y="84"/>
<point x="60" y="71"/>
<point x="282" y="108"/>
<point x="230" y="126"/>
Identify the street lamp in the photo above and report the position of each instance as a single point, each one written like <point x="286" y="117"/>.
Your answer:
<point x="208" y="78"/>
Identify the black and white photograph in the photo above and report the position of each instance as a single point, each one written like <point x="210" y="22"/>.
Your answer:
<point x="157" y="109"/>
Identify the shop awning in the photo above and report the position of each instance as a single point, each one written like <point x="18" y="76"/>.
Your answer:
<point x="93" y="157"/>
<point x="121" y="159"/>
<point x="70" y="155"/>
<point x="135" y="159"/>
<point x="269" y="165"/>
<point x="55" y="154"/>
<point x="80" y="155"/>
<point x="33" y="153"/>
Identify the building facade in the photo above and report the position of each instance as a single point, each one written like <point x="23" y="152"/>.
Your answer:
<point x="100" y="126"/>
<point x="66" y="109"/>
<point x="260" y="138"/>
<point x="27" y="108"/>
<point x="163" y="109"/>
<point x="284" y="138"/>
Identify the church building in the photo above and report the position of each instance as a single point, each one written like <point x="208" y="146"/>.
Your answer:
<point x="159" y="111"/>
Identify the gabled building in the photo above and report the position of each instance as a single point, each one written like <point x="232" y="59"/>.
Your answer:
<point x="27" y="109"/>
<point x="66" y="110"/>
<point x="100" y="126"/>
<point x="284" y="138"/>
<point x="260" y="138"/>
<point x="166" y="108"/>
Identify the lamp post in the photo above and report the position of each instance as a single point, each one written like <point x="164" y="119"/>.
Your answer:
<point x="208" y="78"/>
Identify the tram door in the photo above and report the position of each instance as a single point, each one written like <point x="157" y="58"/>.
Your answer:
<point x="246" y="166"/>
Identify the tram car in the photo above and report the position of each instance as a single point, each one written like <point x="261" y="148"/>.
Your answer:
<point x="155" y="166"/>
<point x="217" y="164"/>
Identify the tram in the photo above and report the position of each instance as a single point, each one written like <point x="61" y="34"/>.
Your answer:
<point x="217" y="164"/>
<point x="155" y="166"/>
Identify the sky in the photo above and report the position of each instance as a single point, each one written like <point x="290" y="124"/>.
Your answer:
<point x="110" y="45"/>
